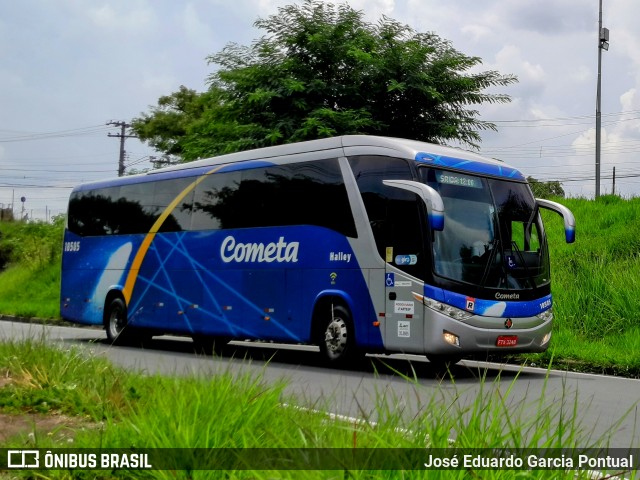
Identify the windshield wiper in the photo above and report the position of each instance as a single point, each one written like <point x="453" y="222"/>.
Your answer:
<point x="514" y="247"/>
<point x="493" y="249"/>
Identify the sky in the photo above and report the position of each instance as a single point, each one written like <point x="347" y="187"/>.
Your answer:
<point x="68" y="67"/>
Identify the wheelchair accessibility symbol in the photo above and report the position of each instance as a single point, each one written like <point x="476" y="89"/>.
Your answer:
<point x="390" y="279"/>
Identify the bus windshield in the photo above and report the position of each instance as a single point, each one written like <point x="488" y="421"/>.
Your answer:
<point x="493" y="235"/>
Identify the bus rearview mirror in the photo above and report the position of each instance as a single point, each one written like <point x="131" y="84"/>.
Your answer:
<point x="431" y="198"/>
<point x="565" y="213"/>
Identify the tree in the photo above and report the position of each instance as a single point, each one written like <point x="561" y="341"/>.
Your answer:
<point x="545" y="189"/>
<point x="166" y="128"/>
<point x="322" y="70"/>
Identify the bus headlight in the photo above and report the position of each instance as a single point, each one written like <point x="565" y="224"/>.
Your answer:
<point x="546" y="316"/>
<point x="448" y="310"/>
<point x="451" y="338"/>
<point x="546" y="338"/>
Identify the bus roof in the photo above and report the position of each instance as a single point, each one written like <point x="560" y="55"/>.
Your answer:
<point x="398" y="147"/>
<point x="347" y="145"/>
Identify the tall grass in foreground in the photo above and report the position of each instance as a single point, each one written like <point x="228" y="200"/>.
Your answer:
<point x="119" y="409"/>
<point x="596" y="285"/>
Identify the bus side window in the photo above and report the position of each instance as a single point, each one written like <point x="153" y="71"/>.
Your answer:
<point x="213" y="206"/>
<point x="164" y="193"/>
<point x="526" y="239"/>
<point x="394" y="214"/>
<point x="306" y="193"/>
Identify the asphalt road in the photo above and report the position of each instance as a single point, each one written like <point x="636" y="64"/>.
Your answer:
<point x="606" y="408"/>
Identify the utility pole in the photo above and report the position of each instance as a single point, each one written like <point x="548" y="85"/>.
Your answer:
<point x="122" y="135"/>
<point x="603" y="44"/>
<point x="613" y="191"/>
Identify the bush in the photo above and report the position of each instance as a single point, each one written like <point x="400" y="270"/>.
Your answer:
<point x="34" y="244"/>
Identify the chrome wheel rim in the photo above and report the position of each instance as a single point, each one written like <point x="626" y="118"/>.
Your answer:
<point x="116" y="322"/>
<point x="335" y="338"/>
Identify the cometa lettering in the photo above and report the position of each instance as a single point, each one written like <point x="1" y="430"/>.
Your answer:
<point x="507" y="296"/>
<point x="280" y="251"/>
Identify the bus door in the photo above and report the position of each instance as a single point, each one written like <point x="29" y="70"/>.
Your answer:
<point x="405" y="267"/>
<point x="404" y="315"/>
<point x="408" y="261"/>
<point x="398" y="222"/>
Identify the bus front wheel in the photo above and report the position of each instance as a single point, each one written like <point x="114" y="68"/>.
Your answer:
<point x="337" y="343"/>
<point x="443" y="362"/>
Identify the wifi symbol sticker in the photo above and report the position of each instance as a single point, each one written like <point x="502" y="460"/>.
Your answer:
<point x="333" y="277"/>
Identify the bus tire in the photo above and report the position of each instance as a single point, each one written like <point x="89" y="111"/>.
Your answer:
<point x="115" y="321"/>
<point x="336" y="338"/>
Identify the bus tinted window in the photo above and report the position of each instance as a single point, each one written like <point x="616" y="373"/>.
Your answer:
<point x="324" y="200"/>
<point x="394" y="214"/>
<point x="297" y="194"/>
<point x="212" y="204"/>
<point x="164" y="193"/>
<point x="107" y="211"/>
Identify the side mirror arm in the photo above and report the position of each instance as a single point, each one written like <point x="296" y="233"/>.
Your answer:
<point x="431" y="198"/>
<point x="565" y="213"/>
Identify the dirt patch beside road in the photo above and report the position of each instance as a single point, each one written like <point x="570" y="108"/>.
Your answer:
<point x="24" y="429"/>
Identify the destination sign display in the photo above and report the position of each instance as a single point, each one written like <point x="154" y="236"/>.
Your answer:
<point x="448" y="178"/>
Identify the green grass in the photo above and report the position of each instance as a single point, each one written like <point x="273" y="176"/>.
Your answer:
<point x="30" y="293"/>
<point x="30" y="268"/>
<point x="120" y="409"/>
<point x="596" y="287"/>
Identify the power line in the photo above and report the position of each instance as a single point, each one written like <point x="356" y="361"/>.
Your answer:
<point x="29" y="136"/>
<point x="587" y="118"/>
<point x="40" y="170"/>
<point x="26" y="185"/>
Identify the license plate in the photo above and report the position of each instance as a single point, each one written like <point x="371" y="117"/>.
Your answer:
<point x="507" y="341"/>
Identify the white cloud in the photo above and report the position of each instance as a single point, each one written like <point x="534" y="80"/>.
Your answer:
<point x="548" y="17"/>
<point x="510" y="58"/>
<point x="135" y="16"/>
<point x="629" y="120"/>
<point x="585" y="139"/>
<point x="195" y="28"/>
<point x="373" y="9"/>
<point x="477" y="32"/>
<point x="581" y="74"/>
<point x="630" y="100"/>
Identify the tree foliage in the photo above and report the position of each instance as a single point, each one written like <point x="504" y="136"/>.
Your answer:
<point x="542" y="189"/>
<point x="321" y="70"/>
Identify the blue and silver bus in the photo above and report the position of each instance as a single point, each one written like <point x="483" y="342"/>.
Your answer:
<point x="356" y="244"/>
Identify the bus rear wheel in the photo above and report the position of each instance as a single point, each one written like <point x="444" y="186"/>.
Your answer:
<point x="336" y="338"/>
<point x="115" y="320"/>
<point x="117" y="326"/>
